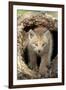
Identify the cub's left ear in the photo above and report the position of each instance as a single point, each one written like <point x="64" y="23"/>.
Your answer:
<point x="31" y="33"/>
<point x="46" y="32"/>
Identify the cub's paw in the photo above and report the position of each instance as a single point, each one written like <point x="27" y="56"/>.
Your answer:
<point x="30" y="66"/>
<point x="33" y="67"/>
<point x="44" y="73"/>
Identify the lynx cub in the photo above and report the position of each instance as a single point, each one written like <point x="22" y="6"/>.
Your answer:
<point x="40" y="43"/>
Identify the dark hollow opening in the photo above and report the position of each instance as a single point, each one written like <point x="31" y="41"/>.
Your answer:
<point x="55" y="44"/>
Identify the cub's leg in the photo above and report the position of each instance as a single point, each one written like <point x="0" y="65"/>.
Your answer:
<point x="32" y="60"/>
<point x="43" y="69"/>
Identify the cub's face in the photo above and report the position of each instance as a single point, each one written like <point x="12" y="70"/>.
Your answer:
<point x="37" y="42"/>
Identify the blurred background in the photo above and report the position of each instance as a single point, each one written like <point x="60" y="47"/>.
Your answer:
<point x="52" y="13"/>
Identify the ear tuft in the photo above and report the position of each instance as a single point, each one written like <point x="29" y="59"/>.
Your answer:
<point x="31" y="33"/>
<point x="46" y="32"/>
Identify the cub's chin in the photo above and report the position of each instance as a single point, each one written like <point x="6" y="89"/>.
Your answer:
<point x="39" y="53"/>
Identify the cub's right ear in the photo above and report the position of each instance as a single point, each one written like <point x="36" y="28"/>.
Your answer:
<point x="31" y="33"/>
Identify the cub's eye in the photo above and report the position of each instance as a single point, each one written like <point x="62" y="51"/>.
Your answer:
<point x="36" y="44"/>
<point x="44" y="44"/>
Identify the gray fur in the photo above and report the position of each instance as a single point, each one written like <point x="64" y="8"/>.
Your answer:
<point x="45" y="57"/>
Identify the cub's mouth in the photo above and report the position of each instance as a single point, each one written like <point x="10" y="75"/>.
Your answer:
<point x="39" y="53"/>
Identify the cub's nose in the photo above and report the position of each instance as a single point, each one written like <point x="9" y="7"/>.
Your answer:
<point x="39" y="51"/>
